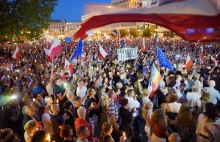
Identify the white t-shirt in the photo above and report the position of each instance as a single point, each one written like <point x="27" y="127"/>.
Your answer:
<point x="132" y="103"/>
<point x="194" y="99"/>
<point x="46" y="119"/>
<point x="81" y="92"/>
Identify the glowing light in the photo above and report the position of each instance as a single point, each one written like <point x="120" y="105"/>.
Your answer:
<point x="48" y="138"/>
<point x="210" y="30"/>
<point x="190" y="31"/>
<point x="13" y="97"/>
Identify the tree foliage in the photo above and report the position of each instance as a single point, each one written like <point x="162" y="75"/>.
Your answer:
<point x="25" y="17"/>
<point x="147" y="32"/>
<point x="134" y="32"/>
<point x="123" y="33"/>
<point x="171" y="34"/>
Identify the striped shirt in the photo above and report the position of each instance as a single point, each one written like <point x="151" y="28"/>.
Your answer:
<point x="112" y="109"/>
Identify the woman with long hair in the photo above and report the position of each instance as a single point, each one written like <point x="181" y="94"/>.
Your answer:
<point x="106" y="130"/>
<point x="94" y="105"/>
<point x="208" y="118"/>
<point x="171" y="108"/>
<point x="147" y="110"/>
<point x="205" y="98"/>
<point x="159" y="126"/>
<point x="185" y="130"/>
<point x="30" y="128"/>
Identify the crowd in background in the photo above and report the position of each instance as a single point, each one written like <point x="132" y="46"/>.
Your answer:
<point x="106" y="100"/>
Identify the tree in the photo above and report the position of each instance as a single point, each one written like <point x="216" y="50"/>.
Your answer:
<point x="171" y="34"/>
<point x="147" y="32"/>
<point x="25" y="17"/>
<point x="134" y="32"/>
<point x="123" y="33"/>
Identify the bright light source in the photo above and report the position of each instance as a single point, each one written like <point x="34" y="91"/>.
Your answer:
<point x="13" y="97"/>
<point x="65" y="84"/>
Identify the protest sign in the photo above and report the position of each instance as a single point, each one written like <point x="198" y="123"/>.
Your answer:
<point x="127" y="53"/>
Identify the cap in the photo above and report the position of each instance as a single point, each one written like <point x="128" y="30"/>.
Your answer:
<point x="76" y="98"/>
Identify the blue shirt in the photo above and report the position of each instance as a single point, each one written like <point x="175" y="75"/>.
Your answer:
<point x="37" y="90"/>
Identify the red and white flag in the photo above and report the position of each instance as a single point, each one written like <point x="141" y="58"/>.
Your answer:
<point x="214" y="61"/>
<point x="189" y="63"/>
<point x="54" y="49"/>
<point x="17" y="53"/>
<point x="143" y="47"/>
<point x="102" y="52"/>
<point x="69" y="67"/>
<point x="47" y="52"/>
<point x="202" y="55"/>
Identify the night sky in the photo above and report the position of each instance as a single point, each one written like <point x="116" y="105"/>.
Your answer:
<point x="72" y="10"/>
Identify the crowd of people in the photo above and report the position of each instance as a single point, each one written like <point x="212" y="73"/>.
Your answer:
<point x="106" y="100"/>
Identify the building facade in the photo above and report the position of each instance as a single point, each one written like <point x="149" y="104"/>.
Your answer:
<point x="126" y="3"/>
<point x="62" y="28"/>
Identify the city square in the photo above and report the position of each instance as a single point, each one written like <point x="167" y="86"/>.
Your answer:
<point x="110" y="71"/>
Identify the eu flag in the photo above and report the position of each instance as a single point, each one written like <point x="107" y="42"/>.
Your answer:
<point x="163" y="61"/>
<point x="67" y="39"/>
<point x="78" y="52"/>
<point x="144" y="70"/>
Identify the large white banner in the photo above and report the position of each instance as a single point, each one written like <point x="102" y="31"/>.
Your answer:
<point x="127" y="53"/>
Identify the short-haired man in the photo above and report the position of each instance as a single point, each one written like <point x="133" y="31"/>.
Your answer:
<point x="214" y="94"/>
<point x="82" y="133"/>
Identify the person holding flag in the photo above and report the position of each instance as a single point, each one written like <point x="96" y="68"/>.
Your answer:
<point x="154" y="81"/>
<point x="78" y="51"/>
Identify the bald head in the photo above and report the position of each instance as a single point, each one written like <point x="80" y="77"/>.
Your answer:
<point x="174" y="137"/>
<point x="211" y="83"/>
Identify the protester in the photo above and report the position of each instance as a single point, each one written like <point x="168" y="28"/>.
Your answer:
<point x="67" y="133"/>
<point x="30" y="128"/>
<point x="159" y="126"/>
<point x="39" y="136"/>
<point x="83" y="133"/>
<point x="81" y="111"/>
<point x="185" y="130"/>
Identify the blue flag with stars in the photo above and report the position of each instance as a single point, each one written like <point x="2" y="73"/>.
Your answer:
<point x="163" y="61"/>
<point x="78" y="52"/>
<point x="144" y="70"/>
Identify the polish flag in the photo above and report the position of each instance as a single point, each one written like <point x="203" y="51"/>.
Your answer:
<point x="54" y="49"/>
<point x="102" y="52"/>
<point x="214" y="61"/>
<point x="202" y="55"/>
<point x="47" y="52"/>
<point x="17" y="53"/>
<point x="189" y="63"/>
<point x="143" y="47"/>
<point x="69" y="67"/>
